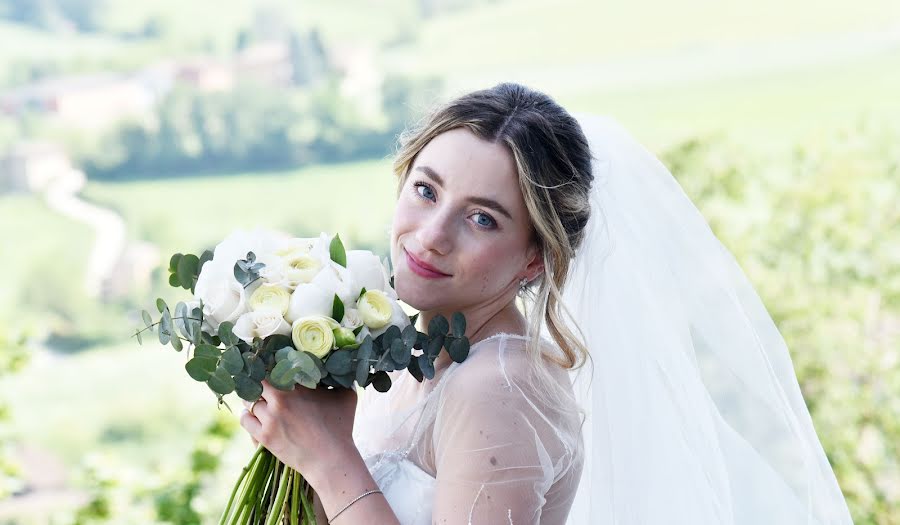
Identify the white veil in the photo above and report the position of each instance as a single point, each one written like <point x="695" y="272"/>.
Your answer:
<point x="695" y="416"/>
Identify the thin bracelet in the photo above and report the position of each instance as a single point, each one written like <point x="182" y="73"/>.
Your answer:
<point x="357" y="498"/>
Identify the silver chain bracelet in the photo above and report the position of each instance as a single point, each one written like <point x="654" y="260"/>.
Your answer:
<point x="357" y="498"/>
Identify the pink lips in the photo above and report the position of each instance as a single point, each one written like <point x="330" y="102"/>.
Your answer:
<point x="420" y="268"/>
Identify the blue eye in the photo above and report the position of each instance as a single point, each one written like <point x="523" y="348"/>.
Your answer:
<point x="430" y="193"/>
<point x="490" y="221"/>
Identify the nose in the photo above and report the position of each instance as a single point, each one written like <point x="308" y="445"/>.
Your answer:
<point x="435" y="233"/>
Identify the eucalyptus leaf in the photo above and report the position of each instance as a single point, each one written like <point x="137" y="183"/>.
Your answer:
<point x="399" y="353"/>
<point x="139" y="338"/>
<point x="284" y="353"/>
<point x="414" y="370"/>
<point x="200" y="368"/>
<point x="165" y="327"/>
<point x="254" y="366"/>
<point x="414" y="318"/>
<point x="426" y="366"/>
<point x="438" y="326"/>
<point x="247" y="388"/>
<point x="433" y="347"/>
<point x="339" y="362"/>
<point x="276" y="342"/>
<point x="458" y="324"/>
<point x="188" y="268"/>
<point x="282" y="375"/>
<point x="221" y="381"/>
<point x="174" y="282"/>
<point x="161" y="305"/>
<point x="392" y="332"/>
<point x="226" y="335"/>
<point x="176" y="343"/>
<point x="363" y="365"/>
<point x="232" y="360"/>
<point x="337" y="252"/>
<point x="306" y="380"/>
<point x="173" y="262"/>
<point x="459" y="349"/>
<point x="381" y="381"/>
<point x="409" y="335"/>
<point x="148" y="321"/>
<point x="207" y="350"/>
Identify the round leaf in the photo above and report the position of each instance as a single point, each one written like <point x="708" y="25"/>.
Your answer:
<point x="282" y="375"/>
<point x="458" y="324"/>
<point x="232" y="360"/>
<point x="410" y="335"/>
<point x="221" y="382"/>
<point x="173" y="262"/>
<point x="339" y="362"/>
<point x="399" y="353"/>
<point x="426" y="366"/>
<point x="200" y="368"/>
<point x="188" y="268"/>
<point x="381" y="381"/>
<point x="438" y="326"/>
<point x="459" y="349"/>
<point x="148" y="321"/>
<point x="254" y="366"/>
<point x="247" y="388"/>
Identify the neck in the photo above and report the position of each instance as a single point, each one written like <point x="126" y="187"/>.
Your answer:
<point x="482" y="322"/>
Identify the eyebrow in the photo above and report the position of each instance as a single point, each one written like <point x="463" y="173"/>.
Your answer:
<point x="481" y="201"/>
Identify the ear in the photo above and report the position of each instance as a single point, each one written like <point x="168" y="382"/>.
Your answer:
<point x="535" y="264"/>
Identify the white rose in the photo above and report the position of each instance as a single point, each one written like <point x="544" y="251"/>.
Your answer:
<point x="301" y="268"/>
<point x="338" y="281"/>
<point x="236" y="245"/>
<point x="367" y="270"/>
<point x="260" y="323"/>
<point x="224" y="299"/>
<point x="295" y="246"/>
<point x="309" y="299"/>
<point x="352" y="319"/>
<point x="398" y="319"/>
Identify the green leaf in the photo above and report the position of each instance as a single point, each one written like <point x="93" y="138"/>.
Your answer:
<point x="232" y="360"/>
<point x="363" y="365"/>
<point x="282" y="375"/>
<point x="414" y="369"/>
<point x="459" y="349"/>
<point x="410" y="335"/>
<point x="399" y="353"/>
<point x="414" y="318"/>
<point x="139" y="338"/>
<point x="337" y="309"/>
<point x="382" y="381"/>
<point x="433" y="348"/>
<point x="438" y="326"/>
<point x="247" y="388"/>
<point x="336" y="251"/>
<point x="188" y="268"/>
<point x="254" y="366"/>
<point x="309" y="365"/>
<point x="344" y="380"/>
<point x="221" y="381"/>
<point x="361" y="293"/>
<point x="173" y="280"/>
<point x="161" y="305"/>
<point x="207" y="350"/>
<point x="458" y="324"/>
<point x="426" y="366"/>
<point x="392" y="332"/>
<point x="339" y="362"/>
<point x="200" y="368"/>
<point x="176" y="343"/>
<point x="148" y="321"/>
<point x="226" y="335"/>
<point x="173" y="262"/>
<point x="165" y="327"/>
<point x="284" y="353"/>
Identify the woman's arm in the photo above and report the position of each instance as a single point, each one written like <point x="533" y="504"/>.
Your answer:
<point x="311" y="432"/>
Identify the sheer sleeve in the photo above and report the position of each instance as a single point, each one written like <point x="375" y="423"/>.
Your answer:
<point x="501" y="455"/>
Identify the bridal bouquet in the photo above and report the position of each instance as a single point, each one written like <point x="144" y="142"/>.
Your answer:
<point x="292" y="311"/>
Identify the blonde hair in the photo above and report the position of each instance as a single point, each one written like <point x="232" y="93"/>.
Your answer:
<point x="553" y="160"/>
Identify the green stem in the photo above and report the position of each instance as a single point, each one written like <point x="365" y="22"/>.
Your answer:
<point x="250" y="467"/>
<point x="308" y="508"/>
<point x="277" y="510"/>
<point x="295" y="497"/>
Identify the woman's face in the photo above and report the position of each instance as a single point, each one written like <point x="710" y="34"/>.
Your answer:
<point x="461" y="212"/>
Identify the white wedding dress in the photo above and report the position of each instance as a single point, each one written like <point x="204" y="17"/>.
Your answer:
<point x="460" y="447"/>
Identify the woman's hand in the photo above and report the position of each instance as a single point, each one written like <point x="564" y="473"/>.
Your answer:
<point x="306" y="429"/>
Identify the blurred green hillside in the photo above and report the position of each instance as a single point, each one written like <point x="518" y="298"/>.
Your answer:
<point x="778" y="119"/>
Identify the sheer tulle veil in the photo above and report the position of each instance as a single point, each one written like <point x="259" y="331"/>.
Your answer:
<point x="694" y="413"/>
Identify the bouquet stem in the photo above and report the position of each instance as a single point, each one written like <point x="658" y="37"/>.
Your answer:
<point x="268" y="492"/>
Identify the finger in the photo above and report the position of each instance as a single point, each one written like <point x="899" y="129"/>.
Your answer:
<point x="251" y="424"/>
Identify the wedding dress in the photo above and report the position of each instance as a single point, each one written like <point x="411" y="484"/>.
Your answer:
<point x="693" y="414"/>
<point x="485" y="428"/>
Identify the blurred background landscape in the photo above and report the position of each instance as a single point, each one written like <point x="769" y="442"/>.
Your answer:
<point x="133" y="130"/>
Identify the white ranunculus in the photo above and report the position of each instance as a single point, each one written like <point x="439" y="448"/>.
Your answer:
<point x="374" y="308"/>
<point x="314" y="334"/>
<point x="260" y="323"/>
<point x="295" y="246"/>
<point x="367" y="270"/>
<point x="309" y="299"/>
<point x="398" y="319"/>
<point x="271" y="296"/>
<point x="301" y="268"/>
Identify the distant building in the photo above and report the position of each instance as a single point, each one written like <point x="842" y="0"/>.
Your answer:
<point x="86" y="102"/>
<point x="33" y="167"/>
<point x="206" y="74"/>
<point x="266" y="63"/>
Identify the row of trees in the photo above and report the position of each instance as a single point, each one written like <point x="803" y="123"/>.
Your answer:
<point x="253" y="128"/>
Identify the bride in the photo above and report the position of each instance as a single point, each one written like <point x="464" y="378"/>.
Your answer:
<point x="622" y="369"/>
